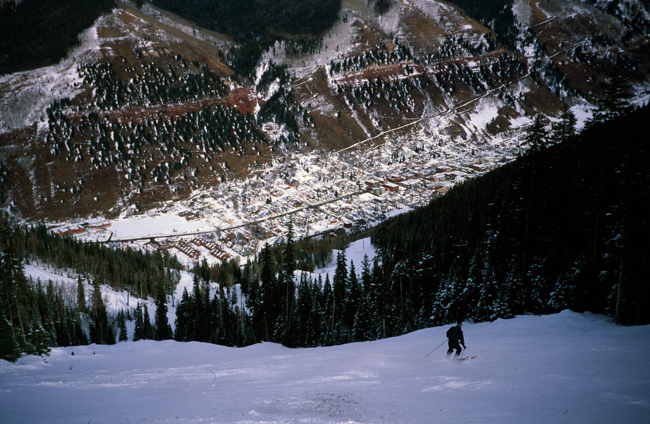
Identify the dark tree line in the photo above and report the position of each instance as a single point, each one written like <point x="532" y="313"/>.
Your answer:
<point x="219" y="319"/>
<point x="310" y="254"/>
<point x="116" y="267"/>
<point x="254" y="20"/>
<point x="257" y="24"/>
<point x="276" y="305"/>
<point x="33" y="318"/>
<point x="496" y="15"/>
<point x="562" y="227"/>
<point x="37" y="33"/>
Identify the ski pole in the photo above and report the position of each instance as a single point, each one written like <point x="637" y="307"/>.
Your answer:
<point x="435" y="348"/>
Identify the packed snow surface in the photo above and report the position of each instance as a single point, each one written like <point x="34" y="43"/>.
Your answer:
<point x="562" y="368"/>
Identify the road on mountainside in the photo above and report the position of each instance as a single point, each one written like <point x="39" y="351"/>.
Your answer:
<point x="454" y="110"/>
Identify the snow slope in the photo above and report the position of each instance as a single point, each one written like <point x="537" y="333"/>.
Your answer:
<point x="563" y="368"/>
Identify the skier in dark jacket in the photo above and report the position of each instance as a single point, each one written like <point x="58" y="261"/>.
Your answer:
<point x="456" y="339"/>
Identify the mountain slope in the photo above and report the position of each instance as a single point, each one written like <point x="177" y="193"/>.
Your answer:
<point x="149" y="109"/>
<point x="564" y="368"/>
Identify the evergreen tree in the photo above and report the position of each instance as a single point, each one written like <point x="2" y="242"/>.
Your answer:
<point x="162" y="330"/>
<point x="78" y="336"/>
<point x="138" y="333"/>
<point x="565" y="128"/>
<point x="270" y="298"/>
<point x="352" y="297"/>
<point x="100" y="330"/>
<point x="366" y="274"/>
<point x="288" y="277"/>
<point x="9" y="347"/>
<point x="361" y="327"/>
<point x="121" y="325"/>
<point x="536" y="136"/>
<point x="328" y="305"/>
<point x="378" y="299"/>
<point x="303" y="313"/>
<point x="44" y="308"/>
<point x="184" y="318"/>
<point x="340" y="287"/>
<point x="401" y="281"/>
<point x="199" y="319"/>
<point x="40" y="340"/>
<point x="147" y="328"/>
<point x="14" y="289"/>
<point x="255" y="308"/>
<point x="81" y="295"/>
<point x="616" y="99"/>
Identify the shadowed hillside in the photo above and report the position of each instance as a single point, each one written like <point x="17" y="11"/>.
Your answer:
<point x="558" y="228"/>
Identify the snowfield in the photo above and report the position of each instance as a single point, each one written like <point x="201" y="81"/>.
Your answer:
<point x="562" y="368"/>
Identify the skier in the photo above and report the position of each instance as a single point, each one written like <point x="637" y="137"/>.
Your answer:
<point x="455" y="336"/>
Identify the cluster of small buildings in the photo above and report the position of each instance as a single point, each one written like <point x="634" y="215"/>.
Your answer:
<point x="212" y="247"/>
<point x="325" y="193"/>
<point x="185" y="247"/>
<point x="192" y="248"/>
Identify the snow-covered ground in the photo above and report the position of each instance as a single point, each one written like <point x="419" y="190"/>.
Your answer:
<point x="563" y="368"/>
<point x="147" y="226"/>
<point x="567" y="367"/>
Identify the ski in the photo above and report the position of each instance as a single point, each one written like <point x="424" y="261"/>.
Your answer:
<point x="468" y="357"/>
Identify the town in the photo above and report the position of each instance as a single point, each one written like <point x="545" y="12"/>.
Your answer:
<point x="317" y="193"/>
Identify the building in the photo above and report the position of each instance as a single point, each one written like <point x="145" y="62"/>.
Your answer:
<point x="292" y="182"/>
<point x="391" y="187"/>
<point x="71" y="231"/>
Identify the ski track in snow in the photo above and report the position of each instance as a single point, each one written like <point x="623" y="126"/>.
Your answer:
<point x="562" y="368"/>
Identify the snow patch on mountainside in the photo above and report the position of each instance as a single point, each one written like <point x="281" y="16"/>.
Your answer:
<point x="522" y="11"/>
<point x="29" y="93"/>
<point x="336" y="43"/>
